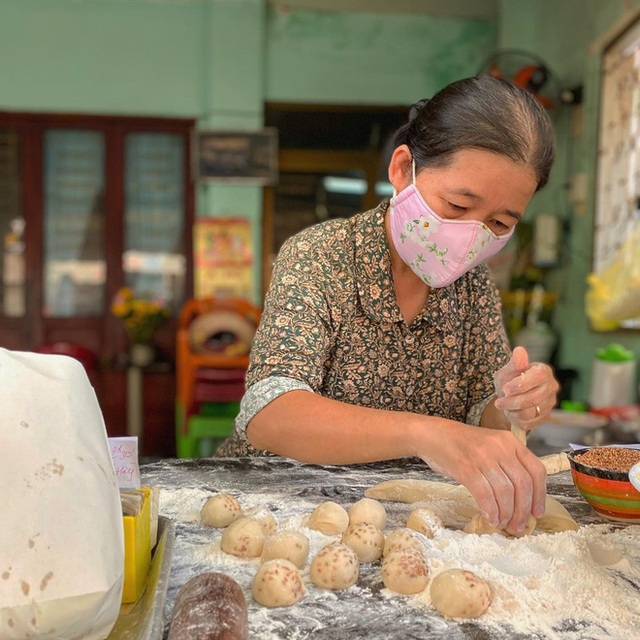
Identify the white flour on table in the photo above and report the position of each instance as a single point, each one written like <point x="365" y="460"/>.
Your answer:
<point x="546" y="584"/>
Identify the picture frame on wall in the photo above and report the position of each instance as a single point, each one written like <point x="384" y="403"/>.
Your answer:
<point x="248" y="157"/>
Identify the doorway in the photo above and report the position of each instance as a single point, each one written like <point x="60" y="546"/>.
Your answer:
<point x="332" y="164"/>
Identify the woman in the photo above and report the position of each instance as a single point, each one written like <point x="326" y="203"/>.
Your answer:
<point x="381" y="335"/>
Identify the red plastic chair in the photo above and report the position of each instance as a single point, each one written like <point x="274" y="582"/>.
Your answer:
<point x="85" y="356"/>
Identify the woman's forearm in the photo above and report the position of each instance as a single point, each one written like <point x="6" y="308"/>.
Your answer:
<point x="310" y="428"/>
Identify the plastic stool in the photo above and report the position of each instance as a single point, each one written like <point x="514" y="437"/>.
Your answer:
<point x="205" y="430"/>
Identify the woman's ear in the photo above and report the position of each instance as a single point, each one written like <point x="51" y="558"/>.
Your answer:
<point x="400" y="168"/>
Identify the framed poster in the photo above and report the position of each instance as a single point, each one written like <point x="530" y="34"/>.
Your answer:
<point x="237" y="156"/>
<point x="223" y="258"/>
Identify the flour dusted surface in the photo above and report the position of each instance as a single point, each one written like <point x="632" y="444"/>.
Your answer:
<point x="544" y="586"/>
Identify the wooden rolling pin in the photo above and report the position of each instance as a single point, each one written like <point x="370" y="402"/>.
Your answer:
<point x="210" y="606"/>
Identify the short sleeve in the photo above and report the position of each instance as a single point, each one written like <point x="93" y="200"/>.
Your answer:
<point x="293" y="339"/>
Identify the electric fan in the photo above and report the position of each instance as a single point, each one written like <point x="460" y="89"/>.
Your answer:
<point x="531" y="73"/>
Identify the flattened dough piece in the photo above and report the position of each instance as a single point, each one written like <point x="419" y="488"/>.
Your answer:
<point x="556" y="518"/>
<point x="479" y="525"/>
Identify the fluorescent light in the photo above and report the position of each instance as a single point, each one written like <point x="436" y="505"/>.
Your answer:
<point x="354" y="186"/>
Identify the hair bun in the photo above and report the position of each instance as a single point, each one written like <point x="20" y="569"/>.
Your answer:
<point x="413" y="112"/>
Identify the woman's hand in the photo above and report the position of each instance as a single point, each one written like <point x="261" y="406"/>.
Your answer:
<point x="507" y="481"/>
<point x="526" y="392"/>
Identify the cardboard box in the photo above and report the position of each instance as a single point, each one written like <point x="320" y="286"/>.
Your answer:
<point x="137" y="550"/>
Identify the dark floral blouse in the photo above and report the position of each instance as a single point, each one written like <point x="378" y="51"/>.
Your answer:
<point x="331" y="325"/>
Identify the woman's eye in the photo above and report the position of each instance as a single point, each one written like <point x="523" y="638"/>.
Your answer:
<point x="499" y="226"/>
<point x="457" y="207"/>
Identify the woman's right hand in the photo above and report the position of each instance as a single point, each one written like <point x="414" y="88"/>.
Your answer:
<point x="507" y="481"/>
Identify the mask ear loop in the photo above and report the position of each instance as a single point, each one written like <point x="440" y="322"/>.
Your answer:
<point x="413" y="177"/>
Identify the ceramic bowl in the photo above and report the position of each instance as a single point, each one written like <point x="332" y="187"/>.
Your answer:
<point x="609" y="493"/>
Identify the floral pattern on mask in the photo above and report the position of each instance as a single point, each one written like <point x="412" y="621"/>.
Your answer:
<point x="439" y="251"/>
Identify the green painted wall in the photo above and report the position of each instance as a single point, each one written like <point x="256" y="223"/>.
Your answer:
<point x="100" y="56"/>
<point x="561" y="32"/>
<point x="369" y="58"/>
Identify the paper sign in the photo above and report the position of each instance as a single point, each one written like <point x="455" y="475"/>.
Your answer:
<point x="124" y="453"/>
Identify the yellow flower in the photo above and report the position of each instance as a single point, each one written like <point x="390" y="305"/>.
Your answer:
<point x="142" y="317"/>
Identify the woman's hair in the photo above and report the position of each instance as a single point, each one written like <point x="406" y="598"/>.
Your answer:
<point x="480" y="113"/>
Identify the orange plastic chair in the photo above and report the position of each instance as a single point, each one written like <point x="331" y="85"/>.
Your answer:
<point x="212" y="355"/>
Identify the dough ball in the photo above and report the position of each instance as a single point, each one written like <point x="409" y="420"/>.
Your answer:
<point x="287" y="545"/>
<point x="329" y="518"/>
<point x="366" y="540"/>
<point x="266" y="519"/>
<point x="424" y="521"/>
<point x="277" y="584"/>
<point x="368" y="510"/>
<point x="243" y="538"/>
<point x="457" y="593"/>
<point x="334" y="567"/>
<point x="220" y="511"/>
<point x="400" y="539"/>
<point x="405" y="571"/>
<point x="479" y="526"/>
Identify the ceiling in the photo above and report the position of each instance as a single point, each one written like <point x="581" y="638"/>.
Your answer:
<point x="470" y="9"/>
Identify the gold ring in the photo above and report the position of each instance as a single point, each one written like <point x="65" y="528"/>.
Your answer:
<point x="537" y="411"/>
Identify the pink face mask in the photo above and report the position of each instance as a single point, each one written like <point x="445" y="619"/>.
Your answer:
<point x="439" y="251"/>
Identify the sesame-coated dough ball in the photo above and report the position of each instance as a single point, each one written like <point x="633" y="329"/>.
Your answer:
<point x="329" y="518"/>
<point x="400" y="539"/>
<point x="243" y="538"/>
<point x="287" y="545"/>
<point x="368" y="510"/>
<point x="335" y="567"/>
<point x="220" y="510"/>
<point x="264" y="517"/>
<point x="405" y="571"/>
<point x="458" y="593"/>
<point x="277" y="584"/>
<point x="366" y="540"/>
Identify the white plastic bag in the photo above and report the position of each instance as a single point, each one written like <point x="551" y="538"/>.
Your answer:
<point x="61" y="537"/>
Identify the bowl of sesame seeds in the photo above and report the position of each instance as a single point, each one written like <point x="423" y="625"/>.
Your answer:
<point x="601" y="475"/>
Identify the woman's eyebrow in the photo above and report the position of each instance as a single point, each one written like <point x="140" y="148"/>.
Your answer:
<point x="465" y="192"/>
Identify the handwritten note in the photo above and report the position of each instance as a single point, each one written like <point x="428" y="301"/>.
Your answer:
<point x="124" y="453"/>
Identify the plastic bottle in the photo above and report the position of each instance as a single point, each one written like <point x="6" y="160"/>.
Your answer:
<point x="613" y="377"/>
<point x="537" y="336"/>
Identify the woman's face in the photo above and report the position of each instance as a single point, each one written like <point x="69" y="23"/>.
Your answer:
<point x="476" y="185"/>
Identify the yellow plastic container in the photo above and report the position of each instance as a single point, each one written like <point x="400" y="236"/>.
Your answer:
<point x="137" y="550"/>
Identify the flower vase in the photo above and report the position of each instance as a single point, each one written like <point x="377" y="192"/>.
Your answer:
<point x="141" y="354"/>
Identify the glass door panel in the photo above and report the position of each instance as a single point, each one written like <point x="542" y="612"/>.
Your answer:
<point x="12" y="264"/>
<point x="74" y="223"/>
<point x="154" y="261"/>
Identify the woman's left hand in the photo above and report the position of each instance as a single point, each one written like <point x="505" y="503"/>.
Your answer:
<point x="526" y="392"/>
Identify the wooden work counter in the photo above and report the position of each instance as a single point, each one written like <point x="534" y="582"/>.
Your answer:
<point x="291" y="490"/>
